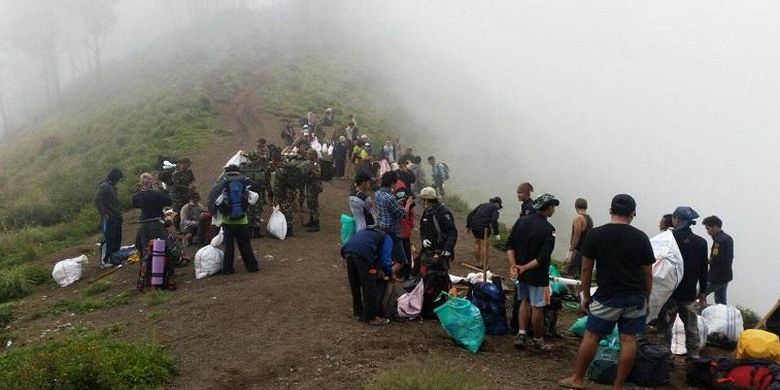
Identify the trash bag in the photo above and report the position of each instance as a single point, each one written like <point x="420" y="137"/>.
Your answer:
<point x="723" y="322"/>
<point x="209" y="259"/>
<point x="667" y="272"/>
<point x="557" y="289"/>
<point x="277" y="224"/>
<point x="758" y="344"/>
<point x="347" y="228"/>
<point x="237" y="159"/>
<point x="388" y="306"/>
<point x="678" y="336"/>
<point x="578" y="327"/>
<point x="651" y="367"/>
<point x="603" y="367"/>
<point x="410" y="303"/>
<point x="67" y="271"/>
<point x="462" y="321"/>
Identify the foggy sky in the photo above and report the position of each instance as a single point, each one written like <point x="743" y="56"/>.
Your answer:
<point x="674" y="103"/>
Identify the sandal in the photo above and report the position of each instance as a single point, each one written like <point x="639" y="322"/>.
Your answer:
<point x="567" y="383"/>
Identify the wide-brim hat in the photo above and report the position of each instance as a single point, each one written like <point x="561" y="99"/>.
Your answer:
<point x="428" y="193"/>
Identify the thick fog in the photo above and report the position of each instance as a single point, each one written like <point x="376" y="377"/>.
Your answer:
<point x="673" y="102"/>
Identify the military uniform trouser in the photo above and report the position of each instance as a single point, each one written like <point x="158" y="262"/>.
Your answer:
<point x="287" y="206"/>
<point x="313" y="204"/>
<point x="687" y="312"/>
<point x="255" y="213"/>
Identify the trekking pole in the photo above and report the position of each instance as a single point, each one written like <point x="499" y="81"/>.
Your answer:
<point x="485" y="254"/>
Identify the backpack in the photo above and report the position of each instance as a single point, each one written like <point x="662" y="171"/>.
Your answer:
<point x="436" y="280"/>
<point x="725" y="373"/>
<point x="156" y="266"/>
<point x="289" y="174"/>
<point x="551" y="318"/>
<point x="236" y="199"/>
<point x="651" y="367"/>
<point x="326" y="170"/>
<point x="489" y="299"/>
<point x="445" y="171"/>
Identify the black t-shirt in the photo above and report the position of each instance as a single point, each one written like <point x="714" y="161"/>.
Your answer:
<point x="151" y="203"/>
<point x="619" y="251"/>
<point x="721" y="257"/>
<point x="533" y="238"/>
<point x="527" y="208"/>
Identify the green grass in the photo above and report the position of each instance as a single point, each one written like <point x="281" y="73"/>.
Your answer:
<point x="87" y="363"/>
<point x="19" y="281"/>
<point x="96" y="288"/>
<point x="88" y="305"/>
<point x="156" y="298"/>
<point x="432" y="373"/>
<point x="7" y="314"/>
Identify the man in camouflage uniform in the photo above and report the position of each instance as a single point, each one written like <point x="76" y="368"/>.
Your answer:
<point x="257" y="170"/>
<point x="286" y="184"/>
<point x="183" y="181"/>
<point x="312" y="188"/>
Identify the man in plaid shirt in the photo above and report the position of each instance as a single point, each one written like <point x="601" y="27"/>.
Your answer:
<point x="390" y="213"/>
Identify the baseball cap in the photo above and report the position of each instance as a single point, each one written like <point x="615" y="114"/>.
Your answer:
<point x="545" y="199"/>
<point x="685" y="217"/>
<point x="428" y="193"/>
<point x="623" y="204"/>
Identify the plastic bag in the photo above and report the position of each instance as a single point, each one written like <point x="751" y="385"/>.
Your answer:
<point x="557" y="289"/>
<point x="758" y="344"/>
<point x="603" y="367"/>
<point x="578" y="329"/>
<point x="237" y="159"/>
<point x="277" y="224"/>
<point x="678" y="336"/>
<point x="347" y="228"/>
<point x="462" y="321"/>
<point x="723" y="320"/>
<point x="667" y="271"/>
<point x="209" y="259"/>
<point x="410" y="304"/>
<point x="67" y="271"/>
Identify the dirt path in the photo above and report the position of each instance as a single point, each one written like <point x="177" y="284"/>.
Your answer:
<point x="290" y="325"/>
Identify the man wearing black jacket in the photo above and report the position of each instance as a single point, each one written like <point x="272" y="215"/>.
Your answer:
<point x="485" y="216"/>
<point x="693" y="249"/>
<point x="109" y="209"/>
<point x="437" y="226"/>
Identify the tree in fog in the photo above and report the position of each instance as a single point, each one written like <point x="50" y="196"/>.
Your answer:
<point x="98" y="19"/>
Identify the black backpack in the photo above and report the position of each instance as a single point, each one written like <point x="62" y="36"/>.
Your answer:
<point x="289" y="174"/>
<point x="651" y="367"/>
<point x="489" y="299"/>
<point x="436" y="280"/>
<point x="326" y="170"/>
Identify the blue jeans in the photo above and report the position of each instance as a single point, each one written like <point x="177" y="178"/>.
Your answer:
<point x="111" y="228"/>
<point x="720" y="291"/>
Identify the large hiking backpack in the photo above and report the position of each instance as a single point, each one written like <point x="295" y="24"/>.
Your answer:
<point x="651" y="367"/>
<point x="489" y="299"/>
<point x="725" y="373"/>
<point x="236" y="200"/>
<point x="289" y="174"/>
<point x="445" y="171"/>
<point x="156" y="266"/>
<point x="326" y="170"/>
<point x="436" y="280"/>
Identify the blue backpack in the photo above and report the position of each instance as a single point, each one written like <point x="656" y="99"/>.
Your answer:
<point x="236" y="199"/>
<point x="489" y="299"/>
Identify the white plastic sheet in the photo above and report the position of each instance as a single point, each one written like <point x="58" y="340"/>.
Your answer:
<point x="667" y="271"/>
<point x="69" y="270"/>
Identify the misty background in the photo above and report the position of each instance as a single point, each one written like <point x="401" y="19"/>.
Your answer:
<point x="674" y="103"/>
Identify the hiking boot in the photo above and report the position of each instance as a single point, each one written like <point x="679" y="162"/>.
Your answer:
<point x="540" y="345"/>
<point x="315" y="227"/>
<point x="521" y="340"/>
<point x="252" y="269"/>
<point x="289" y="231"/>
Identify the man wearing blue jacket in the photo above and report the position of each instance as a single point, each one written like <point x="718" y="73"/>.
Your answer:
<point x="369" y="265"/>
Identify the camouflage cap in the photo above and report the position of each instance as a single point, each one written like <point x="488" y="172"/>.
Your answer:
<point x="545" y="199"/>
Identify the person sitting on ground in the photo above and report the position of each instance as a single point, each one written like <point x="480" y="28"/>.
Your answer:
<point x="191" y="218"/>
<point x="624" y="258"/>
<point x="369" y="262"/>
<point x="484" y="216"/>
<point x="579" y="230"/>
<point x="151" y="200"/>
<point x="693" y="249"/>
<point x="666" y="223"/>
<point x="721" y="259"/>
<point x="361" y="203"/>
<point x="528" y="251"/>
<point x="438" y="232"/>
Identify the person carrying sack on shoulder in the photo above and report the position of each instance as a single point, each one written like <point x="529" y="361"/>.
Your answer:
<point x="234" y="201"/>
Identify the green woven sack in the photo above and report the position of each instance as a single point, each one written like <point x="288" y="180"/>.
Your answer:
<point x="462" y="321"/>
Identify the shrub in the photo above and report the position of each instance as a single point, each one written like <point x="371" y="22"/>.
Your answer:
<point x="430" y="374"/>
<point x="749" y="317"/>
<point x="86" y="363"/>
<point x="7" y="314"/>
<point x="20" y="280"/>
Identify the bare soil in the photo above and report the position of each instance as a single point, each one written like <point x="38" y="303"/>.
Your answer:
<point x="290" y="325"/>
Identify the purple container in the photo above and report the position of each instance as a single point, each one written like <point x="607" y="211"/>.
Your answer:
<point x="158" y="262"/>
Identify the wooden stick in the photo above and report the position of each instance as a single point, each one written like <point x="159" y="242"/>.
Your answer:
<point x="485" y="256"/>
<point x="762" y="324"/>
<point x="471" y="267"/>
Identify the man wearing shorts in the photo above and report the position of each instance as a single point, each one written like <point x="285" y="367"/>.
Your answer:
<point x="528" y="250"/>
<point x="624" y="257"/>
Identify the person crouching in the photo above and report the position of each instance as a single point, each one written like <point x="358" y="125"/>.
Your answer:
<point x="368" y="255"/>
